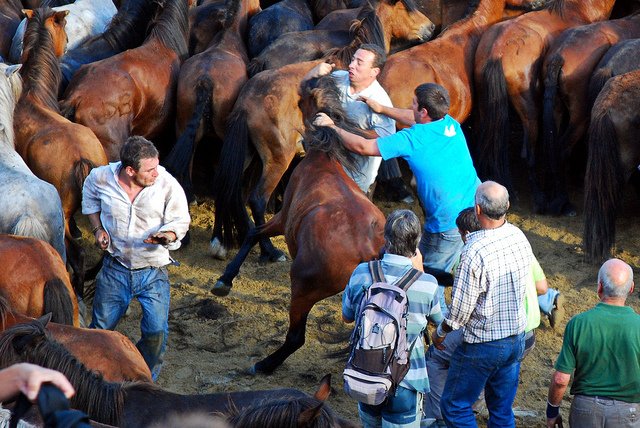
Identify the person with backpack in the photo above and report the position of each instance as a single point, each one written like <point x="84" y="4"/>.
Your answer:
<point x="391" y="301"/>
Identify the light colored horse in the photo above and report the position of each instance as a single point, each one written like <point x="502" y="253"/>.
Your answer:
<point x="30" y="206"/>
<point x="86" y="19"/>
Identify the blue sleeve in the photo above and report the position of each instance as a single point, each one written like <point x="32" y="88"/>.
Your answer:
<point x="395" y="146"/>
<point x="353" y="293"/>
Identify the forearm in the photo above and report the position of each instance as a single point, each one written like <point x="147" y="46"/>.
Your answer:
<point x="94" y="220"/>
<point x="403" y="115"/>
<point x="558" y="386"/>
<point x="358" y="144"/>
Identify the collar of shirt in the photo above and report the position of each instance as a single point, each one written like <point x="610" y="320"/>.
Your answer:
<point x="396" y="259"/>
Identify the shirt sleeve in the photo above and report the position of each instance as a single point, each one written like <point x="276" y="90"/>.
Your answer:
<point x="354" y="291"/>
<point x="91" y="202"/>
<point x="176" y="213"/>
<point x="466" y="291"/>
<point x="396" y="145"/>
<point x="566" y="362"/>
<point x="536" y="270"/>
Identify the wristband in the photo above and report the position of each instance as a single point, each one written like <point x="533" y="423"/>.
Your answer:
<point x="95" y="229"/>
<point x="552" y="410"/>
<point x="440" y="332"/>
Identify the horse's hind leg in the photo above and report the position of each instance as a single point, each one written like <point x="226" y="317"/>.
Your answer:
<point x="75" y="258"/>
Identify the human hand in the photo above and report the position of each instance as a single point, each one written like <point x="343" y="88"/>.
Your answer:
<point x="375" y="106"/>
<point x="28" y="378"/>
<point x="102" y="238"/>
<point x="437" y="341"/>
<point x="323" y="69"/>
<point x="322" y="119"/>
<point x="161" y="238"/>
<point x="555" y="422"/>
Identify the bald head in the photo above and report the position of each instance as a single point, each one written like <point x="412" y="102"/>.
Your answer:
<point x="616" y="278"/>
<point x="493" y="199"/>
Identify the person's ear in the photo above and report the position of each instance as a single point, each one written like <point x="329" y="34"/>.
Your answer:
<point x="130" y="171"/>
<point x="375" y="71"/>
<point x="478" y="210"/>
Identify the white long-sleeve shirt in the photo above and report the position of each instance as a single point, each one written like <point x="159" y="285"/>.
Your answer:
<point x="161" y="207"/>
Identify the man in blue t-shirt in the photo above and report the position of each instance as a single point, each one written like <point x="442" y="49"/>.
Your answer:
<point x="437" y="153"/>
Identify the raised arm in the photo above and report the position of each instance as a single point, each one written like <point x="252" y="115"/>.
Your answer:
<point x="403" y="115"/>
<point x="353" y="142"/>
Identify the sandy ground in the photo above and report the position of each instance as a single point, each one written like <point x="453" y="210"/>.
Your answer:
<point x="212" y="353"/>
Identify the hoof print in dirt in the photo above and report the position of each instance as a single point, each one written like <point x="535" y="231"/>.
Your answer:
<point x="212" y="310"/>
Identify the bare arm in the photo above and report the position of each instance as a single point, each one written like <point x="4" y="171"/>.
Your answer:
<point x="100" y="235"/>
<point x="319" y="70"/>
<point x="558" y="386"/>
<point x="353" y="142"/>
<point x="403" y="115"/>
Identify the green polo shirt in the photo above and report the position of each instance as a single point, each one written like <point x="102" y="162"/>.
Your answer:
<point x="602" y="348"/>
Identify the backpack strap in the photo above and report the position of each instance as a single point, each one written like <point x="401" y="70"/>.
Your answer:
<point x="407" y="280"/>
<point x="375" y="268"/>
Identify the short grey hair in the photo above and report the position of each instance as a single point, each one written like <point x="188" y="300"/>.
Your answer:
<point x="493" y="202"/>
<point x="613" y="283"/>
<point x="402" y="233"/>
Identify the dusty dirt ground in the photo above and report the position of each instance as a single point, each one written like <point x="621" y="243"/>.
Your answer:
<point x="212" y="353"/>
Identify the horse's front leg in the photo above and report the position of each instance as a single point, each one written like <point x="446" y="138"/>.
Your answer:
<point x="222" y="287"/>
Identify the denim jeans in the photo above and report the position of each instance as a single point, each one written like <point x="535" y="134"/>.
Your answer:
<point x="494" y="366"/>
<point x="116" y="286"/>
<point x="602" y="412"/>
<point x="440" y="251"/>
<point x="403" y="410"/>
<point x="546" y="300"/>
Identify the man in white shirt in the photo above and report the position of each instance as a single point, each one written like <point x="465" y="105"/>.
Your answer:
<point x="138" y="212"/>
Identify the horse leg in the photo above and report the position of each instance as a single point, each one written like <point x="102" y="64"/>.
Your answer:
<point x="75" y="258"/>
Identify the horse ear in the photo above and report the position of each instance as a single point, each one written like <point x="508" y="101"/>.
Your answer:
<point x="44" y="320"/>
<point x="324" y="389"/>
<point x="59" y="17"/>
<point x="28" y="13"/>
<point x="306" y="418"/>
<point x="12" y="69"/>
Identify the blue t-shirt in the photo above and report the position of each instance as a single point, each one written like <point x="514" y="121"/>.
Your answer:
<point x="438" y="155"/>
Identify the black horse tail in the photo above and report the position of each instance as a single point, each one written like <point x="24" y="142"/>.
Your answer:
<point x="256" y="65"/>
<point x="550" y="142"/>
<point x="178" y="160"/>
<point x="227" y="185"/>
<point x="81" y="170"/>
<point x="492" y="151"/>
<point x="602" y="187"/>
<point x="56" y="299"/>
<point x="597" y="82"/>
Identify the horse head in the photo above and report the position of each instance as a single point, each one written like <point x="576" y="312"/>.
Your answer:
<point x="53" y="21"/>
<point x="10" y="91"/>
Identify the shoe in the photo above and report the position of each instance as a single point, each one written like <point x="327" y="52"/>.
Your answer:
<point x="557" y="313"/>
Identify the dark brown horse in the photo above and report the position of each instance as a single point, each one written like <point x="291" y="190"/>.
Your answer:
<point x="129" y="404"/>
<point x="614" y="155"/>
<point x="35" y="280"/>
<point x="57" y="150"/>
<point x="208" y="86"/>
<point x="328" y="223"/>
<point x="566" y="72"/>
<point x="447" y="60"/>
<point x="136" y="94"/>
<point x="107" y="352"/>
<point x="620" y="59"/>
<point x="507" y="68"/>
<point x="205" y="21"/>
<point x="379" y="21"/>
<point x="10" y="18"/>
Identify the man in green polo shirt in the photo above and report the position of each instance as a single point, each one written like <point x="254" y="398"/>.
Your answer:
<point x="602" y="349"/>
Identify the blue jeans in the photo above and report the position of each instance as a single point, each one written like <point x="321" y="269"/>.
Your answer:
<point x="492" y="366"/>
<point x="441" y="251"/>
<point x="546" y="300"/>
<point x="116" y="286"/>
<point x="403" y="410"/>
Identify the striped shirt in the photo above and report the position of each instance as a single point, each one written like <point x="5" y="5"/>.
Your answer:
<point x="423" y="307"/>
<point x="489" y="288"/>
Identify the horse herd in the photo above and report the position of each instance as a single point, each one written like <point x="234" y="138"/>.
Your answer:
<point x="227" y="74"/>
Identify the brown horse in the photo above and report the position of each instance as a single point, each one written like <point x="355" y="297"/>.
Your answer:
<point x="567" y="67"/>
<point x="208" y="86"/>
<point x="381" y="20"/>
<point x="107" y="352"/>
<point x="130" y="404"/>
<point x="205" y="21"/>
<point x="507" y="68"/>
<point x="56" y="150"/>
<point x="35" y="280"/>
<point x="136" y="94"/>
<point x="614" y="156"/>
<point x="447" y="60"/>
<point x="328" y="223"/>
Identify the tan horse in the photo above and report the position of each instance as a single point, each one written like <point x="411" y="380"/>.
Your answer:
<point x="55" y="149"/>
<point x="507" y="68"/>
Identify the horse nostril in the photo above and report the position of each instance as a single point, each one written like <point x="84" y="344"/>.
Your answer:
<point x="432" y="27"/>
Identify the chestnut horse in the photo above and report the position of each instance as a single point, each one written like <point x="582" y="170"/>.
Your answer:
<point x="127" y="30"/>
<point x="129" y="404"/>
<point x="30" y="206"/>
<point x="104" y="351"/>
<point x="328" y="223"/>
<point x="447" y="60"/>
<point x="507" y="68"/>
<point x="57" y="150"/>
<point x="566" y="71"/>
<point x="35" y="280"/>
<point x="208" y="86"/>
<point x="132" y="93"/>
<point x="614" y="155"/>
<point x="383" y="20"/>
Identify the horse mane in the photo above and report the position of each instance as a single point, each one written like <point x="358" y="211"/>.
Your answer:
<point x="285" y="413"/>
<point x="10" y="90"/>
<point x="367" y="28"/>
<point x="30" y="342"/>
<point x="41" y="68"/>
<point x="171" y="26"/>
<point x="327" y="98"/>
<point x="232" y="8"/>
<point x="558" y="7"/>
<point x="5" y="310"/>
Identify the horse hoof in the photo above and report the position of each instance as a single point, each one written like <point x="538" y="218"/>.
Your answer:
<point x="217" y="250"/>
<point x="221" y="289"/>
<point x="274" y="257"/>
